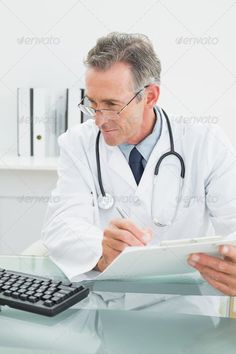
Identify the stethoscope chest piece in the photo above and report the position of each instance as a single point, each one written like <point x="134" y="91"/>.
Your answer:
<point x="105" y="202"/>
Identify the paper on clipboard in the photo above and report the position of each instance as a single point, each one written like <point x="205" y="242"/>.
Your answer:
<point x="167" y="259"/>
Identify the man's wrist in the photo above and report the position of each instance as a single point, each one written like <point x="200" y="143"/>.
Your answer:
<point x="101" y="265"/>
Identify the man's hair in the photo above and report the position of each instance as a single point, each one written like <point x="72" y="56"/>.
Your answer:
<point x="134" y="49"/>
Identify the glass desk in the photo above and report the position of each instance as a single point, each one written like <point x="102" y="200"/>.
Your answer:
<point x="158" y="315"/>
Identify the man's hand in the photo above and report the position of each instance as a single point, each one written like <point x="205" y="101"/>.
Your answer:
<point x="117" y="236"/>
<point x="220" y="273"/>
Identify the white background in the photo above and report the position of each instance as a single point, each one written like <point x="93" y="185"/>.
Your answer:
<point x="43" y="44"/>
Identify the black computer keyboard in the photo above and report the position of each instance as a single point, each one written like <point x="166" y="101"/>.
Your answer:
<point x="38" y="294"/>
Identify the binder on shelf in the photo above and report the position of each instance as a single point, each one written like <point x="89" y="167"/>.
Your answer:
<point x="74" y="114"/>
<point x="24" y="121"/>
<point x="84" y="117"/>
<point x="39" y="122"/>
<point x="43" y="115"/>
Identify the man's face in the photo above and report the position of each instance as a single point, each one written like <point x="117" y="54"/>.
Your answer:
<point x="112" y="89"/>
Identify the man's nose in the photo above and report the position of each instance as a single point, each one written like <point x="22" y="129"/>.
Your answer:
<point x="99" y="118"/>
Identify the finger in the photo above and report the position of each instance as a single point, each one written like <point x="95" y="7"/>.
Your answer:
<point x="228" y="251"/>
<point x="218" y="276"/>
<point x="126" y="224"/>
<point x="124" y="231"/>
<point x="215" y="263"/>
<point x="225" y="289"/>
<point x="122" y="236"/>
<point x="116" y="245"/>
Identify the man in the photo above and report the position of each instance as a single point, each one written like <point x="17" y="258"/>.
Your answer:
<point x="122" y="88"/>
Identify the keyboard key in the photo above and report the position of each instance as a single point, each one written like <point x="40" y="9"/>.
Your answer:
<point x="56" y="283"/>
<point x="42" y="288"/>
<point x="29" y="293"/>
<point x="6" y="287"/>
<point x="46" y="297"/>
<point x="48" y="292"/>
<point x="14" y="276"/>
<point x="48" y="303"/>
<point x="33" y="299"/>
<point x="4" y="279"/>
<point x="27" y="284"/>
<point x="23" y="297"/>
<point x="40" y="291"/>
<point x="45" y="283"/>
<point x="32" y="288"/>
<point x="63" y="287"/>
<point x="22" y="291"/>
<point x="57" y="300"/>
<point x="57" y="294"/>
<point x="9" y="282"/>
<point x="15" y="295"/>
<point x="14" y="288"/>
<point x="7" y="293"/>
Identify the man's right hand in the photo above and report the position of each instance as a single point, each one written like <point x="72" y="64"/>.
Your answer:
<point x="117" y="236"/>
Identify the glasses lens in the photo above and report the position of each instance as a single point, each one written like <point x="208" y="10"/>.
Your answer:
<point x="109" y="114"/>
<point x="87" y="110"/>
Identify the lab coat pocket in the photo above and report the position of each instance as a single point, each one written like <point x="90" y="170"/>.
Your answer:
<point x="191" y="214"/>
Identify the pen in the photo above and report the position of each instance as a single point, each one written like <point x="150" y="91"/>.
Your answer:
<point x="122" y="213"/>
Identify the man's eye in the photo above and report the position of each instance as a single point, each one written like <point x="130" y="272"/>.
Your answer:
<point x="111" y="104"/>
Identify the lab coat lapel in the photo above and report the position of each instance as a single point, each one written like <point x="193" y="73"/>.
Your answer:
<point x="118" y="163"/>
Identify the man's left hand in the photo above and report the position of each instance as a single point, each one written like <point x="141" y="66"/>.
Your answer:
<point x="220" y="273"/>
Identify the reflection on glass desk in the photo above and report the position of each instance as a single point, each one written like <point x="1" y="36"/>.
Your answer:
<point x="167" y="315"/>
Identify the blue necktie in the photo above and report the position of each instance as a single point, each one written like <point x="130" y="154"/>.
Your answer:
<point x="135" y="162"/>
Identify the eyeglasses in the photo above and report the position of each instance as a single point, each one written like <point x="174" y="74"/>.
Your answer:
<point x="106" y="113"/>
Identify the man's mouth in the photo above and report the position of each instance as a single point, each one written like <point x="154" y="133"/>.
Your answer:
<point x="107" y="130"/>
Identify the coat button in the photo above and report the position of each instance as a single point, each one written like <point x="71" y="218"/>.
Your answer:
<point x="137" y="201"/>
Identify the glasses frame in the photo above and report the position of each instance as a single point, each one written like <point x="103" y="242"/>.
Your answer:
<point x="106" y="109"/>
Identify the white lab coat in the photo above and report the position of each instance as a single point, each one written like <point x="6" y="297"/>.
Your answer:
<point x="74" y="224"/>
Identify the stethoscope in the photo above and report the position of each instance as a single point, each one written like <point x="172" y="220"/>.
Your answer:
<point x="106" y="200"/>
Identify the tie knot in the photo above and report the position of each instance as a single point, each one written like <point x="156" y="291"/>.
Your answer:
<point x="135" y="156"/>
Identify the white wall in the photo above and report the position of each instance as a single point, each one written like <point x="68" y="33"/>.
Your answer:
<point x="195" y="41"/>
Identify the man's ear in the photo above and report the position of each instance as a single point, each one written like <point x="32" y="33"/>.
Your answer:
<point x="153" y="93"/>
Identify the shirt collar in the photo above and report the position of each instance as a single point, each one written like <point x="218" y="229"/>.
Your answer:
<point x="146" y="146"/>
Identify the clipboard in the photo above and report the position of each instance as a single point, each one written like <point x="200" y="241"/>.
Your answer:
<point x="168" y="258"/>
